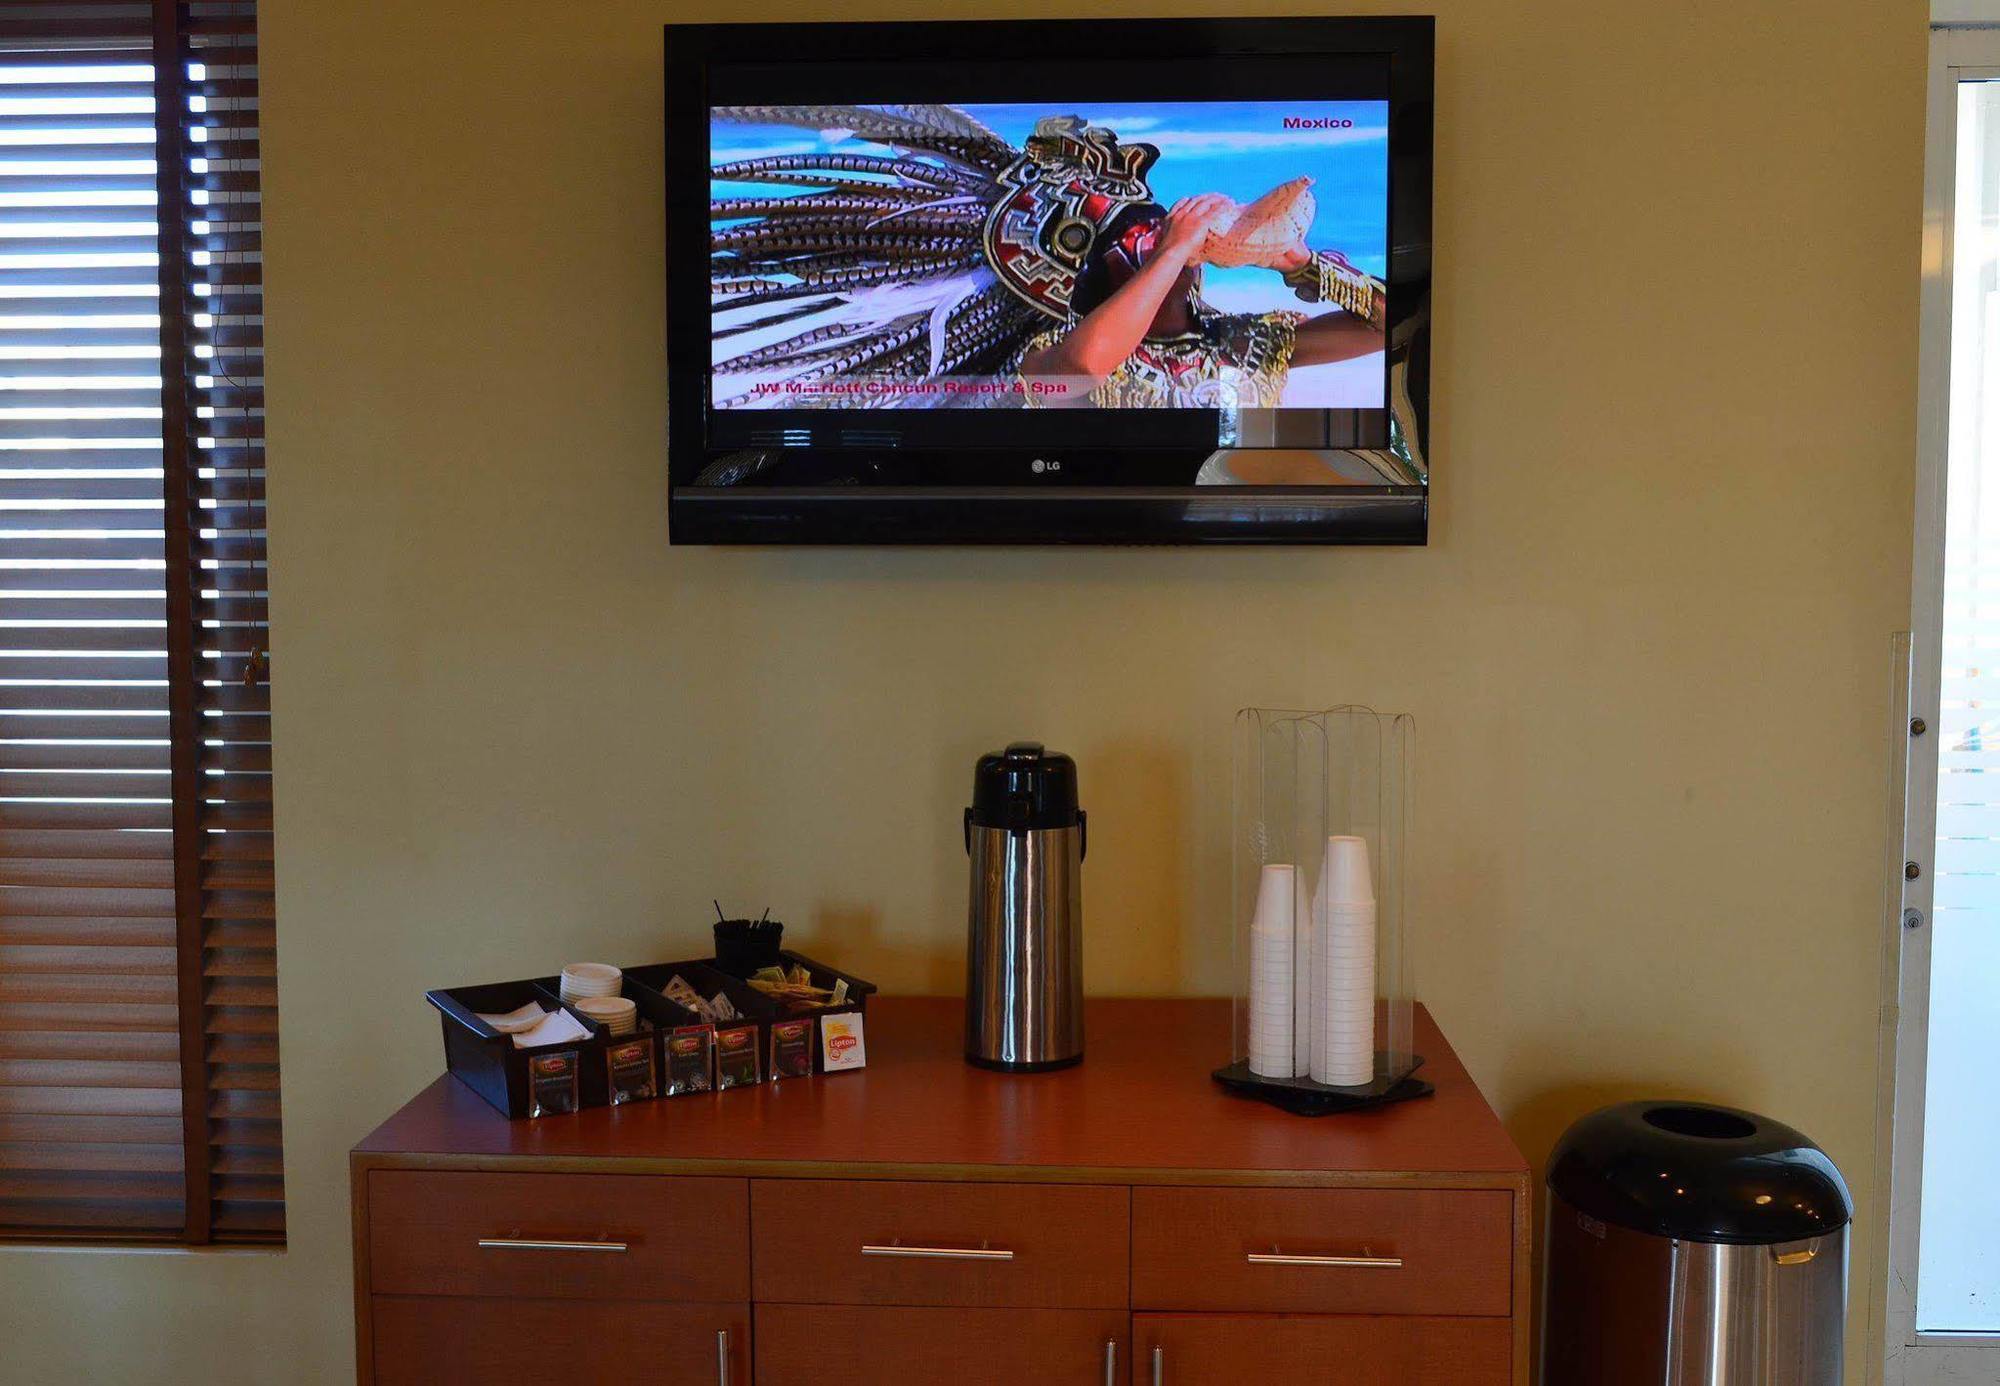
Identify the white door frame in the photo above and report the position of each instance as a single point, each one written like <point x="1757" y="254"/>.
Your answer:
<point x="1912" y="1358"/>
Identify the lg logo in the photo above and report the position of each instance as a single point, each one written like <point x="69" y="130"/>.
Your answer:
<point x="1038" y="466"/>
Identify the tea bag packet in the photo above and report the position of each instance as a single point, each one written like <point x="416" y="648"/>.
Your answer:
<point x="552" y="1083"/>
<point x="793" y="988"/>
<point x="681" y="994"/>
<point x="791" y="1049"/>
<point x="842" y="1044"/>
<point x="631" y="1068"/>
<point x="690" y="1060"/>
<point x="720" y="1011"/>
<point x="737" y="1063"/>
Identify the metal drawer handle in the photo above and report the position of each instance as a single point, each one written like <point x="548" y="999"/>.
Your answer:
<point x="1159" y="1366"/>
<point x="537" y="1244"/>
<point x="939" y="1253"/>
<point x="1279" y="1258"/>
<point x="1110" y="1362"/>
<point x="721" y="1357"/>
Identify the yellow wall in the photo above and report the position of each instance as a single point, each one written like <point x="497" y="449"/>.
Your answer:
<point x="1647" y="647"/>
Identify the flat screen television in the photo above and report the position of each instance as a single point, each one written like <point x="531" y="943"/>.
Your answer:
<point x="1120" y="281"/>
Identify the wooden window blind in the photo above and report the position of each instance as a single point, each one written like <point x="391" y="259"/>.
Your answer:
<point x="138" y="970"/>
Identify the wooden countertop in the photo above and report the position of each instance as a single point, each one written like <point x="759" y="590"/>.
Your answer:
<point x="1141" y="1107"/>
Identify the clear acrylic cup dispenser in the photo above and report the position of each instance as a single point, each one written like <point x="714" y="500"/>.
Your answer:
<point x="1323" y="1015"/>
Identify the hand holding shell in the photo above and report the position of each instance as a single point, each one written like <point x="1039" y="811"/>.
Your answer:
<point x="1267" y="231"/>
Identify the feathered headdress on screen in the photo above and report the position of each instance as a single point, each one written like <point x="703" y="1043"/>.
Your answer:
<point x="941" y="258"/>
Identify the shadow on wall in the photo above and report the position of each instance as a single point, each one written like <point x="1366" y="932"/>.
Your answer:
<point x="855" y="931"/>
<point x="1141" y="838"/>
<point x="1139" y="791"/>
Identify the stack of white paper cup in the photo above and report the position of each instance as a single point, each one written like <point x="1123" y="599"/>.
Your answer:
<point x="619" y="1014"/>
<point x="590" y="979"/>
<point x="1272" y="939"/>
<point x="1343" y="1052"/>
<point x="1303" y="953"/>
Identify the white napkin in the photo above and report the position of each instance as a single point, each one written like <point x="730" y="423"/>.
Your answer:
<point x="514" y="1022"/>
<point x="555" y="1028"/>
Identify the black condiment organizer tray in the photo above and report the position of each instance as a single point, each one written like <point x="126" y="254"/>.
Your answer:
<point x="489" y="1062"/>
<point x="856" y="1003"/>
<point x="858" y="991"/>
<point x="492" y="1065"/>
<point x="751" y="1006"/>
<point x="657" y="1015"/>
<point x="707" y="979"/>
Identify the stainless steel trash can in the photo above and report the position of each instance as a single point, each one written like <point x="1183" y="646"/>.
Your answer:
<point x="1692" y="1245"/>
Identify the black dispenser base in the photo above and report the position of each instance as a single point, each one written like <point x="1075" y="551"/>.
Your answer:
<point x="1023" y="1065"/>
<point x="1304" y="1097"/>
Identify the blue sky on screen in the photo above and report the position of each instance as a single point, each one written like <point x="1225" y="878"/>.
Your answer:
<point x="1239" y="148"/>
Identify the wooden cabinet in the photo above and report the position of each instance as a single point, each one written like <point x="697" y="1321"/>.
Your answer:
<point x="921" y="1221"/>
<point x="814" y="1345"/>
<point x="902" y="1242"/>
<point x="424" y="1340"/>
<point x="1323" y="1251"/>
<point x="1204" y="1349"/>
<point x="566" y="1236"/>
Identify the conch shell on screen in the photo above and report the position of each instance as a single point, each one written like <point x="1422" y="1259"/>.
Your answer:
<point x="1260" y="233"/>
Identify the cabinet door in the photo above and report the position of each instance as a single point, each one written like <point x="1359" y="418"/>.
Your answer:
<point x="1191" y="1349"/>
<point x="423" y="1340"/>
<point x="1026" y="1246"/>
<point x="558" y="1236"/>
<point x="1323" y="1251"/>
<point x="811" y="1345"/>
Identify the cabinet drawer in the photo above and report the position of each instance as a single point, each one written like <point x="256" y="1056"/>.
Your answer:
<point x="1201" y="1349"/>
<point x="558" y="1236"/>
<point x="423" y="1341"/>
<point x="1323" y="1251"/>
<point x="865" y="1242"/>
<point x="809" y="1345"/>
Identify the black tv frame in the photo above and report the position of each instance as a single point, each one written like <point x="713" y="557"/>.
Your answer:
<point x="1051" y="504"/>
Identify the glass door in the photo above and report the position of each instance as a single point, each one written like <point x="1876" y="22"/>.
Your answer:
<point x="1944" y="1285"/>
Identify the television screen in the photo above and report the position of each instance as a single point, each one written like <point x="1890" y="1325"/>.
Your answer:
<point x="1212" y="254"/>
<point x="1120" y="280"/>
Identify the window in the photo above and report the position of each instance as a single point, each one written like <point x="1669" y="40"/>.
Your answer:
<point x="138" y="974"/>
<point x="1944" y="1286"/>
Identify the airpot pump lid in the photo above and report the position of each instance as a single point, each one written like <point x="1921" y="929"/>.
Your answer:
<point x="1026" y="787"/>
<point x="1700" y="1173"/>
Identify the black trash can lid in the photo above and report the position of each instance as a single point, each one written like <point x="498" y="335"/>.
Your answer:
<point x="1700" y="1173"/>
